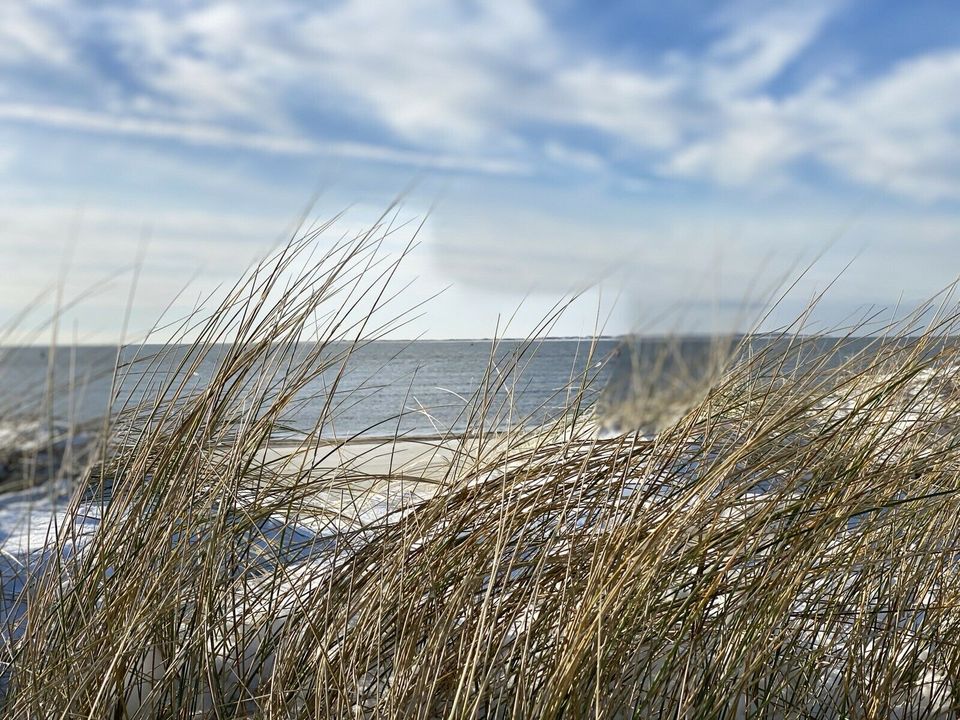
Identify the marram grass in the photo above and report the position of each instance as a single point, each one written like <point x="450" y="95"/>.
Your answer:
<point x="787" y="544"/>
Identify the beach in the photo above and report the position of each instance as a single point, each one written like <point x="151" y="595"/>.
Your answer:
<point x="772" y="537"/>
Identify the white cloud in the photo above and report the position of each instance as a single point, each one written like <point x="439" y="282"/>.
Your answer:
<point x="465" y="75"/>
<point x="102" y="242"/>
<point x="28" y="32"/>
<point x="431" y="71"/>
<point x="571" y="157"/>
<point x="641" y="109"/>
<point x="459" y="85"/>
<point x="900" y="131"/>
<point x="7" y="156"/>
<point x="200" y="251"/>
<point x="732" y="258"/>
<point x="759" y="42"/>
<point x="754" y="142"/>
<point x="217" y="136"/>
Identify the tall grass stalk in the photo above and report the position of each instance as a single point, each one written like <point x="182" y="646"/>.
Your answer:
<point x="787" y="544"/>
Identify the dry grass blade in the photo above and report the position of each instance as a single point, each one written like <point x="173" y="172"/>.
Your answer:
<point x="784" y="545"/>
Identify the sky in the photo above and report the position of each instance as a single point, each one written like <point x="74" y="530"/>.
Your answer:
<point x="673" y="162"/>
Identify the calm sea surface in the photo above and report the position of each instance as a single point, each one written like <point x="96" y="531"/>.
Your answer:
<point x="388" y="386"/>
<point x="410" y="387"/>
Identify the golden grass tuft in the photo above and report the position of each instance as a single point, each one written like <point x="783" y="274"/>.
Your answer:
<point x="785" y="545"/>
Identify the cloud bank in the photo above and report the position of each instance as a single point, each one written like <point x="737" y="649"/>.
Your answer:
<point x="494" y="87"/>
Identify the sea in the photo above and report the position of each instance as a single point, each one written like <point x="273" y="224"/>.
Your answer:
<point x="423" y="387"/>
<point x="386" y="387"/>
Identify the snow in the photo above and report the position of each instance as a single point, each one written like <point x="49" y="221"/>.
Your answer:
<point x="29" y="520"/>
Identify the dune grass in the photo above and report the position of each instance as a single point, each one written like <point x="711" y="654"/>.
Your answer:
<point x="785" y="545"/>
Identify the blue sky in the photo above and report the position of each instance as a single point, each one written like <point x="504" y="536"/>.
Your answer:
<point x="681" y="157"/>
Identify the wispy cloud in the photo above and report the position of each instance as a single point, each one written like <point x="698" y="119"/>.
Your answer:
<point x="496" y="88"/>
<point x="476" y="87"/>
<point x="574" y="158"/>
<point x="758" y="42"/>
<point x="900" y="131"/>
<point x="214" y="136"/>
<point x="30" y="33"/>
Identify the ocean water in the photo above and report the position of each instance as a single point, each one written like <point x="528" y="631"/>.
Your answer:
<point x="387" y="387"/>
<point x="420" y="387"/>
